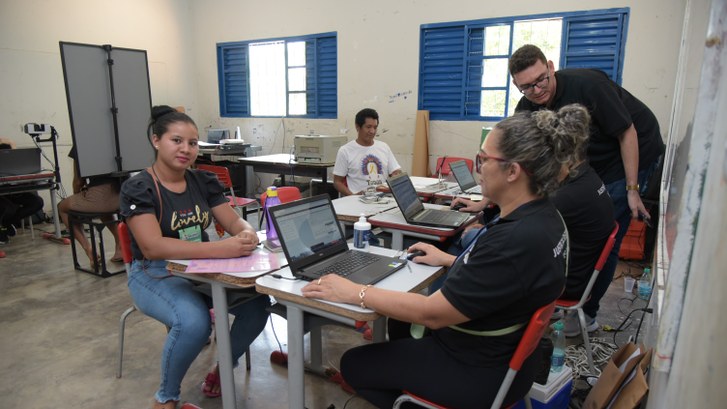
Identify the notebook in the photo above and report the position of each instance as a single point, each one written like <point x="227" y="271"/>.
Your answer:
<point x="464" y="177"/>
<point x="21" y="161"/>
<point x="413" y="210"/>
<point x="314" y="244"/>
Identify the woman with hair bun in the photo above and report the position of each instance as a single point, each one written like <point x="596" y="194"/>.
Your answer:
<point x="167" y="208"/>
<point x="514" y="266"/>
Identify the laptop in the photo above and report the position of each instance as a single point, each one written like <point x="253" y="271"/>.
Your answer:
<point x="314" y="244"/>
<point x="413" y="210"/>
<point x="21" y="161"/>
<point x="464" y="178"/>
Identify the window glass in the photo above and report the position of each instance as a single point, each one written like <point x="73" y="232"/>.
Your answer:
<point x="463" y="71"/>
<point x="494" y="72"/>
<point x="497" y="40"/>
<point x="296" y="53"/>
<point x="279" y="77"/>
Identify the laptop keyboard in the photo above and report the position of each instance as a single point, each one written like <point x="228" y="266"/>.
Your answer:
<point x="438" y="216"/>
<point x="355" y="261"/>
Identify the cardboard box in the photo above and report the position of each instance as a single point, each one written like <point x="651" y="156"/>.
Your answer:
<point x="555" y="394"/>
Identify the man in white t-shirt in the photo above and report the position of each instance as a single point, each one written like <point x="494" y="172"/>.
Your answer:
<point x="364" y="162"/>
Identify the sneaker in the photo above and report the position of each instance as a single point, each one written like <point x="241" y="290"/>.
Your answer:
<point x="573" y="328"/>
<point x="11" y="230"/>
<point x="3" y="235"/>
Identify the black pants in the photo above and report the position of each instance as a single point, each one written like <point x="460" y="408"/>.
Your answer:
<point x="16" y="207"/>
<point x="379" y="373"/>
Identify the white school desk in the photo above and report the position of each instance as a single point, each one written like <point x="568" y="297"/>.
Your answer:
<point x="452" y="192"/>
<point x="287" y="293"/>
<point x="426" y="187"/>
<point x="349" y="208"/>
<point x="220" y="283"/>
<point x="392" y="221"/>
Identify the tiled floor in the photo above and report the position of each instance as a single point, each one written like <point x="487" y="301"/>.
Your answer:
<point x="58" y="343"/>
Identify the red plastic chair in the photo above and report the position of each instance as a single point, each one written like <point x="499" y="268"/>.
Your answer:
<point x="223" y="175"/>
<point x="577" y="305"/>
<point x="529" y="341"/>
<point x="285" y="194"/>
<point x="126" y="254"/>
<point x="443" y="164"/>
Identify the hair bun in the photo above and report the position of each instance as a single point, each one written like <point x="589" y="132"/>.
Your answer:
<point x="159" y="111"/>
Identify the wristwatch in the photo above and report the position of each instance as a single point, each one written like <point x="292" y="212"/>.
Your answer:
<point x="632" y="187"/>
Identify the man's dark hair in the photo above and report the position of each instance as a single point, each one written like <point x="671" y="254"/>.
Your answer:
<point x="524" y="57"/>
<point x="366" y="113"/>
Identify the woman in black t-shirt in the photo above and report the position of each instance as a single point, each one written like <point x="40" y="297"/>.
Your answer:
<point x="514" y="267"/>
<point x="167" y="208"/>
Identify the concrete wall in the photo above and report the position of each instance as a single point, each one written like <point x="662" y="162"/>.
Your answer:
<point x="31" y="75"/>
<point x="378" y="46"/>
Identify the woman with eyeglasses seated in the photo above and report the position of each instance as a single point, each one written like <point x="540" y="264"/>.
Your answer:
<point x="512" y="268"/>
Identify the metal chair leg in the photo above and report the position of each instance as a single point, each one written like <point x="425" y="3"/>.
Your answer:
<point x="586" y="340"/>
<point x="122" y="326"/>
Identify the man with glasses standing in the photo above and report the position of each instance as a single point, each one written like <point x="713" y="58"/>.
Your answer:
<point x="625" y="144"/>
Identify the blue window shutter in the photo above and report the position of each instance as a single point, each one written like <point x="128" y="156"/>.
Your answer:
<point x="474" y="72"/>
<point x="233" y="80"/>
<point x="596" y="41"/>
<point x="322" y="77"/>
<point x="441" y="71"/>
<point x="311" y="79"/>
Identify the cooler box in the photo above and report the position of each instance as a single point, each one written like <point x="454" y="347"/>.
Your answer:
<point x="553" y="395"/>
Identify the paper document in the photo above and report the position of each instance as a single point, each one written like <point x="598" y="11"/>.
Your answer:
<point x="261" y="261"/>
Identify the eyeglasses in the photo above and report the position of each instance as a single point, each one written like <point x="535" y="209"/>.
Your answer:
<point x="528" y="89"/>
<point x="482" y="157"/>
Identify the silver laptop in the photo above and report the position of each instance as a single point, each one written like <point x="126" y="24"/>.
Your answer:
<point x="413" y="210"/>
<point x="314" y="244"/>
<point x="21" y="161"/>
<point x="464" y="178"/>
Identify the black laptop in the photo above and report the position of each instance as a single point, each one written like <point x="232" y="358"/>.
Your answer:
<point x="21" y="161"/>
<point x="464" y="178"/>
<point x="413" y="209"/>
<point x="314" y="244"/>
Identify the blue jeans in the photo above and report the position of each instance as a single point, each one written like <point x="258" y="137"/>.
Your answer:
<point x="622" y="213"/>
<point x="185" y="311"/>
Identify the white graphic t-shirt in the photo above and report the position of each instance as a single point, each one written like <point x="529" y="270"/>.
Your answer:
<point x="365" y="166"/>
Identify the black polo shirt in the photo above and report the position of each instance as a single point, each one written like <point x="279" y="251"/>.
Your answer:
<point x="514" y="268"/>
<point x="613" y="110"/>
<point x="587" y="209"/>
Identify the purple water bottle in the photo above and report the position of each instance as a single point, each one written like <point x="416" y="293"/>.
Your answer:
<point x="272" y="200"/>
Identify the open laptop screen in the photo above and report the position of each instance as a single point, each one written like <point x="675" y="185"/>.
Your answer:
<point x="308" y="227"/>
<point x="462" y="174"/>
<point x="21" y="161"/>
<point x="405" y="195"/>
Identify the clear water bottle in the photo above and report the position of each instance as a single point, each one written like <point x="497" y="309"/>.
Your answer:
<point x="557" y="360"/>
<point x="361" y="233"/>
<point x="645" y="284"/>
<point x="272" y="200"/>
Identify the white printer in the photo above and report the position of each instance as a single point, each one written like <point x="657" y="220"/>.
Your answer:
<point x="317" y="148"/>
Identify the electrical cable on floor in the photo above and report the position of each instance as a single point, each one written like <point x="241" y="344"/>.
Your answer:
<point x="275" y="334"/>
<point x="577" y="359"/>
